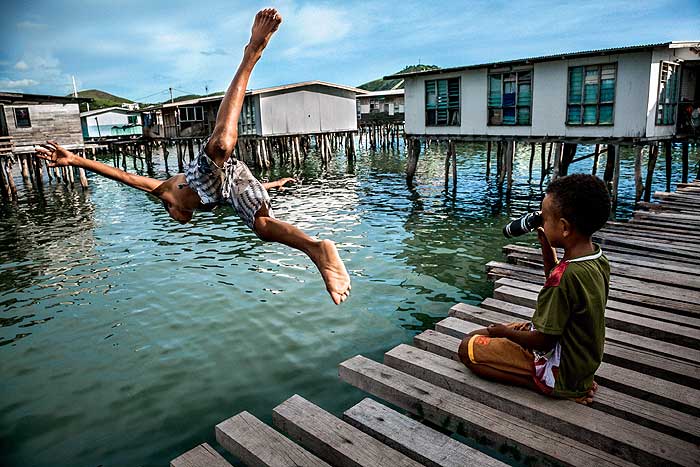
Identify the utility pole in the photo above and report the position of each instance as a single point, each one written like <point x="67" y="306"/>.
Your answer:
<point x="171" y="95"/>
<point x="75" y="90"/>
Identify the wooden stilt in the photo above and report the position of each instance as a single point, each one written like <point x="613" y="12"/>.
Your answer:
<point x="651" y="164"/>
<point x="180" y="165"/>
<point x="412" y="163"/>
<point x="488" y="160"/>
<point x="190" y="149"/>
<point x="7" y="165"/>
<point x="453" y="151"/>
<point x="638" y="184"/>
<point x="499" y="163"/>
<point x="4" y="186"/>
<point x="616" y="180"/>
<point x="568" y="153"/>
<point x="685" y="162"/>
<point x="512" y="148"/>
<point x="668" y="152"/>
<point x="543" y="163"/>
<point x="596" y="155"/>
<point x="448" y="160"/>
<point x="532" y="160"/>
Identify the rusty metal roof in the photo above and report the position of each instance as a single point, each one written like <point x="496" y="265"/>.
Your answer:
<point x="548" y="58"/>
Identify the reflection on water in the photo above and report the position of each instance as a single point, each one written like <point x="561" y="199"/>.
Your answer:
<point x="125" y="337"/>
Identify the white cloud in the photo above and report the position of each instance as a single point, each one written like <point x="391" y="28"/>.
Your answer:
<point x="19" y="83"/>
<point x="31" y="25"/>
<point x="311" y="29"/>
<point x="21" y="65"/>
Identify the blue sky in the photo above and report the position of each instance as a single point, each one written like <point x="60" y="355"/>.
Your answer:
<point x="139" y="49"/>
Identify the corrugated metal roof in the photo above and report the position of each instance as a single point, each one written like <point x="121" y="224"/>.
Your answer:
<point x="14" y="97"/>
<point x="108" y="109"/>
<point x="283" y="87"/>
<point x="389" y="92"/>
<point x="547" y="58"/>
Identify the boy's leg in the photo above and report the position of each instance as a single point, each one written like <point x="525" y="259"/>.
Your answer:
<point x="225" y="135"/>
<point x="323" y="253"/>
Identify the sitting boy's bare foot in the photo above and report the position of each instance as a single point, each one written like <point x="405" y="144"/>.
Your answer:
<point x="266" y="23"/>
<point x="332" y="270"/>
<point x="588" y="398"/>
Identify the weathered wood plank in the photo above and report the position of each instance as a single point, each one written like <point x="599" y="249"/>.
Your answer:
<point x="256" y="444"/>
<point x="612" y="434"/>
<point x="523" y="441"/>
<point x="637" y="384"/>
<point x="332" y="439"/>
<point x="655" y="329"/>
<point x="200" y="456"/>
<point x="412" y="438"/>
<point x="635" y="342"/>
<point x="661" y="418"/>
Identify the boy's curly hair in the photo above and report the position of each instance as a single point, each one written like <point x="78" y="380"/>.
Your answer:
<point x="583" y="200"/>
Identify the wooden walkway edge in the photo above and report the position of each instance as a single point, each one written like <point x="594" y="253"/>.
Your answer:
<point x="646" y="411"/>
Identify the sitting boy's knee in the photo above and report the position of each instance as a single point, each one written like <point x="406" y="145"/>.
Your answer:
<point x="261" y="228"/>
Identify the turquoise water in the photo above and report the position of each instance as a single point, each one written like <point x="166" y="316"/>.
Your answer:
<point x="125" y="337"/>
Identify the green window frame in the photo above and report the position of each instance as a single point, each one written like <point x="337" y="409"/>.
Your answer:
<point x="442" y="102"/>
<point x="132" y="119"/>
<point x="591" y="94"/>
<point x="669" y="87"/>
<point x="246" y="122"/>
<point x="510" y="98"/>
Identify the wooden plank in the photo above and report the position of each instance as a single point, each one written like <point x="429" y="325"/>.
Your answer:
<point x="633" y="341"/>
<point x="641" y="360"/>
<point x="655" y="329"/>
<point x="652" y="415"/>
<point x="256" y="444"/>
<point x="200" y="456"/>
<point x="412" y="438"/>
<point x="640" y="385"/>
<point x="523" y="441"/>
<point x="617" y="436"/>
<point x="621" y="289"/>
<point x="605" y="239"/>
<point x="332" y="439"/>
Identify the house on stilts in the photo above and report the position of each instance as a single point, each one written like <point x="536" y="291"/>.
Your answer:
<point x="638" y="96"/>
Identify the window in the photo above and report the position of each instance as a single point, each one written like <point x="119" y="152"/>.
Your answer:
<point x="510" y="98"/>
<point x="591" y="95"/>
<point x="191" y="114"/>
<point x="246" y="122"/>
<point x="442" y="102"/>
<point x="133" y="119"/>
<point x="667" y="105"/>
<point x="22" y="119"/>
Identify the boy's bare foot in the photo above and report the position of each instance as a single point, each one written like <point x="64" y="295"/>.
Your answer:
<point x="266" y="23"/>
<point x="588" y="398"/>
<point x="332" y="270"/>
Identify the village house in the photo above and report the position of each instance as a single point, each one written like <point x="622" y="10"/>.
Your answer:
<point x="30" y="119"/>
<point x="628" y="93"/>
<point x="381" y="106"/>
<point x="111" y="122"/>
<point x="310" y="107"/>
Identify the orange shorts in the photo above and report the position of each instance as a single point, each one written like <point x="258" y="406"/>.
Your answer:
<point x="501" y="353"/>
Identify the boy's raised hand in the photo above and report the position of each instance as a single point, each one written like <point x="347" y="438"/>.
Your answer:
<point x="56" y="155"/>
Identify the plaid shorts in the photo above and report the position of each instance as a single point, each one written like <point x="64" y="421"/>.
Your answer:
<point x="232" y="184"/>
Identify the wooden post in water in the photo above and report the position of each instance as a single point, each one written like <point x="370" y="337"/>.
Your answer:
<point x="412" y="162"/>
<point x="453" y="150"/>
<point x="651" y="164"/>
<point x="511" y="148"/>
<point x="596" y="155"/>
<point x="616" y="179"/>
<point x="499" y="163"/>
<point x="684" y="159"/>
<point x="4" y="186"/>
<point x="568" y="153"/>
<point x="557" y="160"/>
<point x="543" y="161"/>
<point x="532" y="160"/>
<point x="190" y="149"/>
<point x="488" y="159"/>
<point x="24" y="167"/>
<point x="668" y="150"/>
<point x="638" y="184"/>
<point x="448" y="160"/>
<point x="7" y="167"/>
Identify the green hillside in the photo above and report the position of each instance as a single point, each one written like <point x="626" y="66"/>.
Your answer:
<point x="101" y="99"/>
<point x="385" y="85"/>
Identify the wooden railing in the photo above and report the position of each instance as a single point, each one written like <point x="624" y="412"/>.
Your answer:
<point x="6" y="145"/>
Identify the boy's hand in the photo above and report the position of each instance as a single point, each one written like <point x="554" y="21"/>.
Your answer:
<point x="498" y="330"/>
<point x="57" y="156"/>
<point x="542" y="238"/>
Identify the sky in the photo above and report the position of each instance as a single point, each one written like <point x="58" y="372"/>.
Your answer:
<point x="140" y="49"/>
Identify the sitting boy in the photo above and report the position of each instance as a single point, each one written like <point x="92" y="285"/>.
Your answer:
<point x="560" y="350"/>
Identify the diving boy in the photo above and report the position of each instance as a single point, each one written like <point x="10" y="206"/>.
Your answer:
<point x="215" y="178"/>
<point x="559" y="351"/>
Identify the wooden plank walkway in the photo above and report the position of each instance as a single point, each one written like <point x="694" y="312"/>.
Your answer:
<point x="646" y="411"/>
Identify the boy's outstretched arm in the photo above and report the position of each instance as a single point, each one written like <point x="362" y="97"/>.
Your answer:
<point x="529" y="339"/>
<point x="278" y="183"/>
<point x="57" y="156"/>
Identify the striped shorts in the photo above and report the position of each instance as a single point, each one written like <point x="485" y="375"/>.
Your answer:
<point x="231" y="184"/>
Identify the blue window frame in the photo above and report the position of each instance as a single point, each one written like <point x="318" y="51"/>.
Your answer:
<point x="591" y="94"/>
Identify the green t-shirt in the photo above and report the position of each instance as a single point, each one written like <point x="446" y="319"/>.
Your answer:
<point x="572" y="305"/>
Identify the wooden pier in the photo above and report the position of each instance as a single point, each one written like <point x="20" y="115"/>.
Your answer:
<point x="646" y="410"/>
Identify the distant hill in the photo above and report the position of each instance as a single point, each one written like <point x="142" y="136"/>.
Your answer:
<point x="101" y="99"/>
<point x="386" y="85"/>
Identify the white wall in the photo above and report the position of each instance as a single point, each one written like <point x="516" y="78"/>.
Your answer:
<point x="549" y="93"/>
<point x="106" y="121"/>
<point x="307" y="112"/>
